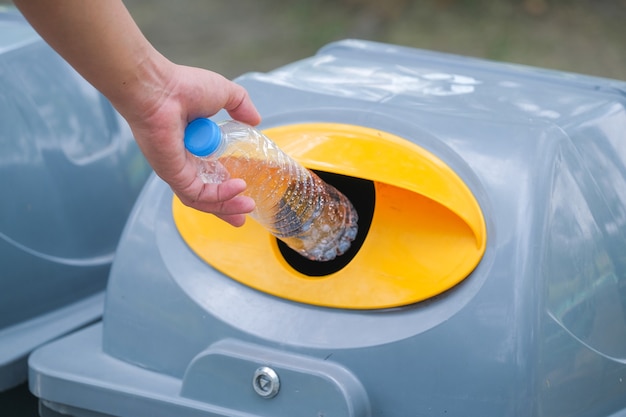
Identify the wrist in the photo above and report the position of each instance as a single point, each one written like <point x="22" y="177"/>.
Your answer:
<point x="142" y="86"/>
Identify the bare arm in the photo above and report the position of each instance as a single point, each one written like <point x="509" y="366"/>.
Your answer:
<point x="158" y="98"/>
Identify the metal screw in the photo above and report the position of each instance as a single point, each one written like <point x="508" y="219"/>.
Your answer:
<point x="265" y="382"/>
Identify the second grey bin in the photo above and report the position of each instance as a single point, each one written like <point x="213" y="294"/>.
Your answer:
<point x="70" y="174"/>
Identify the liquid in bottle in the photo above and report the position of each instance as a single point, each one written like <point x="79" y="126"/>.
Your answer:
<point x="293" y="203"/>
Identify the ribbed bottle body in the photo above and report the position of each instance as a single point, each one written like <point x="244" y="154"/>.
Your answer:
<point x="292" y="202"/>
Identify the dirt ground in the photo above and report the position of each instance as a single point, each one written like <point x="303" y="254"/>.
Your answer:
<point x="238" y="36"/>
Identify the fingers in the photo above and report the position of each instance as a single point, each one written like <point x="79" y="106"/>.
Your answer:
<point x="224" y="191"/>
<point x="215" y="92"/>
<point x="236" y="220"/>
<point x="223" y="200"/>
<point x="240" y="106"/>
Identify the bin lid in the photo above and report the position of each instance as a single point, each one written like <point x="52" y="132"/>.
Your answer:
<point x="426" y="235"/>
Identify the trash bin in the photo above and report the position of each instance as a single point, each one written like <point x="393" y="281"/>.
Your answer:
<point x="488" y="277"/>
<point x="70" y="175"/>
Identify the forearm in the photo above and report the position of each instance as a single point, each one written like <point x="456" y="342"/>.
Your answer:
<point x="102" y="42"/>
<point x="156" y="97"/>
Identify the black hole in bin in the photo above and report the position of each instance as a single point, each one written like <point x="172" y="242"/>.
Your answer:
<point x="362" y="195"/>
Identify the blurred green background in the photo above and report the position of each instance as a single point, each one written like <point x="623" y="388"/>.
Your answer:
<point x="237" y="36"/>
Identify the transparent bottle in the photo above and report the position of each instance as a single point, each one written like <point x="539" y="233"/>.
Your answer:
<point x="293" y="203"/>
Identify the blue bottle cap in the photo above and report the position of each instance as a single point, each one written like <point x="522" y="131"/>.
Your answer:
<point x="202" y="137"/>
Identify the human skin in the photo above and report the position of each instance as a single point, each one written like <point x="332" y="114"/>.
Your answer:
<point x="157" y="97"/>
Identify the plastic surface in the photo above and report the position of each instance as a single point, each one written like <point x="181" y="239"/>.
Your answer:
<point x="425" y="235"/>
<point x="537" y="329"/>
<point x="292" y="202"/>
<point x="70" y="175"/>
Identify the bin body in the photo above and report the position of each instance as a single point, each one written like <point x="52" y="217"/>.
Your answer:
<point x="70" y="175"/>
<point x="537" y="328"/>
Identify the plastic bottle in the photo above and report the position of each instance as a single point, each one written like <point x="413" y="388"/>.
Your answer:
<point x="292" y="202"/>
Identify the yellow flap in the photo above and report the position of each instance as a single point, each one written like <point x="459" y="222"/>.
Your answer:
<point x="427" y="232"/>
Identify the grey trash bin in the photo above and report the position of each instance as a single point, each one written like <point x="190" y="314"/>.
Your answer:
<point x="70" y="175"/>
<point x="489" y="278"/>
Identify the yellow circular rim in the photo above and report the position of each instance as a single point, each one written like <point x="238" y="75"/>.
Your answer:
<point x="427" y="233"/>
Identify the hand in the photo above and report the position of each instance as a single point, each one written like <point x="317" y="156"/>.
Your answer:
<point x="159" y="123"/>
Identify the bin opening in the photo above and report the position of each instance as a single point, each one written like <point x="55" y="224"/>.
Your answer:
<point x="361" y="194"/>
<point x="421" y="231"/>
